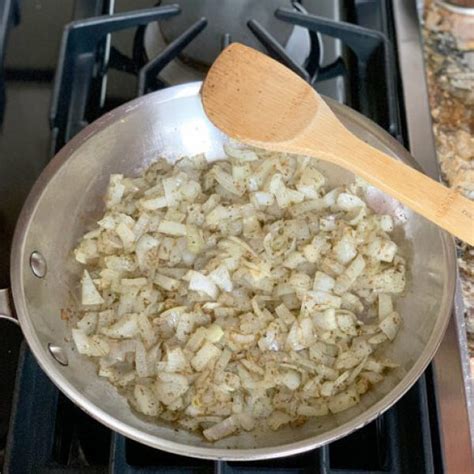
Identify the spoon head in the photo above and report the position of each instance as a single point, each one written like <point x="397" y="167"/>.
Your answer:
<point x="255" y="99"/>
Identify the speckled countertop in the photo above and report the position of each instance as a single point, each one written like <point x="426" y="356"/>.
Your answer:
<point x="449" y="56"/>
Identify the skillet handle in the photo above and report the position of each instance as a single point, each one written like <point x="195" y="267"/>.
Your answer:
<point x="6" y="307"/>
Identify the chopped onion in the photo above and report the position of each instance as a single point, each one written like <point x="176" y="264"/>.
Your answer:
<point x="390" y="325"/>
<point x="146" y="400"/>
<point x="94" y="346"/>
<point x="204" y="356"/>
<point x="222" y="429"/>
<point x="203" y="284"/>
<point x="90" y="295"/>
<point x="221" y="277"/>
<point x="172" y="228"/>
<point x="344" y="400"/>
<point x="238" y="294"/>
<point x="126" y="327"/>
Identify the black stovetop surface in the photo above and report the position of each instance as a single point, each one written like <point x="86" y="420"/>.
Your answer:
<point x="40" y="429"/>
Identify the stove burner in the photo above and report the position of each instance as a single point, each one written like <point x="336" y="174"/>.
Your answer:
<point x="228" y="20"/>
<point x="224" y="17"/>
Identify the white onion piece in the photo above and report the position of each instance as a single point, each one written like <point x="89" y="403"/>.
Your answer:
<point x="90" y="295"/>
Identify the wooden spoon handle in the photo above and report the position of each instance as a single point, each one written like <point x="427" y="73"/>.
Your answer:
<point x="443" y="206"/>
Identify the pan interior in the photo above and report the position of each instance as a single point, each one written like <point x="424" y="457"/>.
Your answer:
<point x="171" y="123"/>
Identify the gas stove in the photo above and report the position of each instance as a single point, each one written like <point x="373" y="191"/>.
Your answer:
<point x="364" y="53"/>
<point x="347" y="61"/>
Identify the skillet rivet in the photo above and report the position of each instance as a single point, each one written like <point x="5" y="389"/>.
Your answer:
<point x="38" y="264"/>
<point x="58" y="354"/>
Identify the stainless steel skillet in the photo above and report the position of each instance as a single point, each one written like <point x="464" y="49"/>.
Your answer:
<point x="66" y="200"/>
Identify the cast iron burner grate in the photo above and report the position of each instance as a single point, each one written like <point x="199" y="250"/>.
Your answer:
<point x="49" y="434"/>
<point x="85" y="57"/>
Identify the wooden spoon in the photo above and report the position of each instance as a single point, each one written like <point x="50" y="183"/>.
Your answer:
<point x="258" y="101"/>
